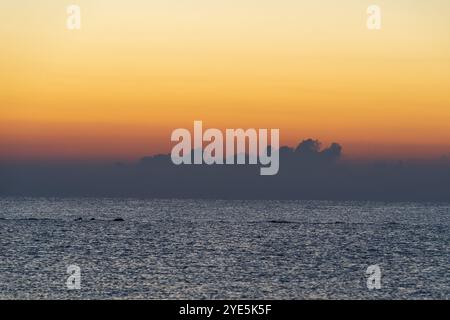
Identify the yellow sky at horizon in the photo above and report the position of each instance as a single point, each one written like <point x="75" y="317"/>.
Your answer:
<point x="139" y="69"/>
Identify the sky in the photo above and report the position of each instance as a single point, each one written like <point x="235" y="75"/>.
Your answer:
<point x="139" y="69"/>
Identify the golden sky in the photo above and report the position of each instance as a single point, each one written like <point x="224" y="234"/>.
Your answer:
<point x="138" y="69"/>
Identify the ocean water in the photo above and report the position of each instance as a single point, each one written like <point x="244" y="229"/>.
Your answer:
<point x="207" y="249"/>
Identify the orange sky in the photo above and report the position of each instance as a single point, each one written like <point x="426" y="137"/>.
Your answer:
<point x="137" y="70"/>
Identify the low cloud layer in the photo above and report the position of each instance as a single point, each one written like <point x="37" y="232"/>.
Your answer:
<point x="307" y="171"/>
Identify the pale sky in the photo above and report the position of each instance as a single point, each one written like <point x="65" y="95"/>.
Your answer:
<point x="139" y="69"/>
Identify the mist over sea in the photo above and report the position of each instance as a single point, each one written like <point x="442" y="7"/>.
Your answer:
<point x="215" y="249"/>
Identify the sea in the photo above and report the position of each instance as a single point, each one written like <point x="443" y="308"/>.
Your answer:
<point x="222" y="249"/>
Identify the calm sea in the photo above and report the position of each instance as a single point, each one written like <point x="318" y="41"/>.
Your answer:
<point x="206" y="249"/>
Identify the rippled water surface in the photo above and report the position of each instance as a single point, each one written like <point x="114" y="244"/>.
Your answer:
<point x="200" y="249"/>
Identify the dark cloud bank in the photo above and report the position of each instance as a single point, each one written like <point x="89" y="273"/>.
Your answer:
<point x="306" y="172"/>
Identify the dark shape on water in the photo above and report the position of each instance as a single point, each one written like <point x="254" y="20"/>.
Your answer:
<point x="78" y="219"/>
<point x="280" y="221"/>
<point x="118" y="219"/>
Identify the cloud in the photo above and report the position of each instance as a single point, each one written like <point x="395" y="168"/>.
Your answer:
<point x="308" y="147"/>
<point x="306" y="172"/>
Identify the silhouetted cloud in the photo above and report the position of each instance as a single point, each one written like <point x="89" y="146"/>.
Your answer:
<point x="308" y="147"/>
<point x="306" y="172"/>
<point x="333" y="152"/>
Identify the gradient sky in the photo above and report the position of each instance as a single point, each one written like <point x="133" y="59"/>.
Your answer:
<point x="139" y="69"/>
